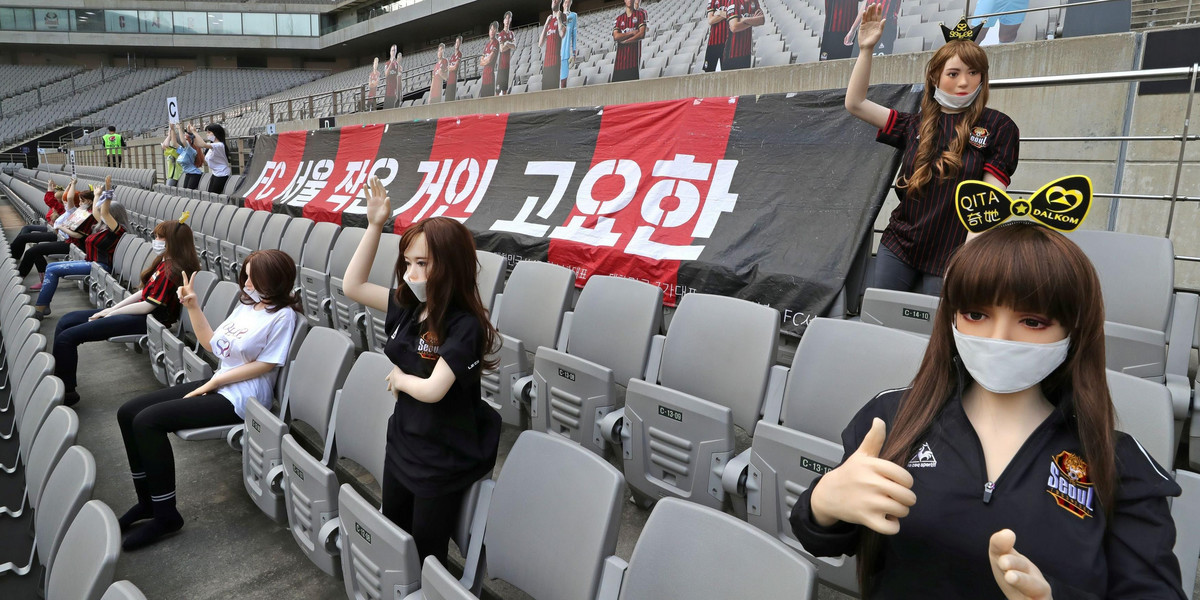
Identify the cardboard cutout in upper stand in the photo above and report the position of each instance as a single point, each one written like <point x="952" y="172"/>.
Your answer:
<point x="1062" y="204"/>
<point x="391" y="74"/>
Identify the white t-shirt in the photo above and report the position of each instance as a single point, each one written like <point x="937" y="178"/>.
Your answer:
<point x="217" y="161"/>
<point x="250" y="335"/>
<point x="62" y="220"/>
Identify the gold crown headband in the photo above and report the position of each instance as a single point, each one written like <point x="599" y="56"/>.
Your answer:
<point x="184" y="217"/>
<point x="962" y="31"/>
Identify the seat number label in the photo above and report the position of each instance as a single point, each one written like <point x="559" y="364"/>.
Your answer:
<point x="814" y="466"/>
<point x="366" y="535"/>
<point x="670" y="413"/>
<point x="565" y="374"/>
<point x="298" y="472"/>
<point x="255" y="425"/>
<point x="915" y="314"/>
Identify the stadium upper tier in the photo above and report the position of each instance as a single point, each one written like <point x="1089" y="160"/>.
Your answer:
<point x="23" y="78"/>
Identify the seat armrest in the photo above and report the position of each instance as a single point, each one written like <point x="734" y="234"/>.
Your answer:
<point x="1181" y="335"/>
<point x="612" y="427"/>
<point x="654" y="360"/>
<point x="564" y="332"/>
<point x="611" y="578"/>
<point x="776" y="383"/>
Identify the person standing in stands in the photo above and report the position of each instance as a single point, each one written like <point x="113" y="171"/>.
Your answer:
<point x="628" y="31"/>
<point x="190" y="159"/>
<point x="1001" y="462"/>
<point x="218" y="161"/>
<point x="114" y="146"/>
<point x="743" y="17"/>
<point x="508" y="43"/>
<point x="171" y="153"/>
<point x="452" y="69"/>
<point x="487" y="63"/>
<point x="550" y="40"/>
<point x="442" y="437"/>
<point x="840" y="18"/>
<point x="954" y="137"/>
<point x="718" y="33"/>
<point x="439" y="75"/>
<point x="32" y="234"/>
<point x="569" y="58"/>
<point x="251" y="344"/>
<point x="99" y="245"/>
<point x="70" y="229"/>
<point x="175" y="254"/>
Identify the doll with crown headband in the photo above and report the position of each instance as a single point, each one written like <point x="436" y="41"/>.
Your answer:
<point x="999" y="473"/>
<point x="953" y="137"/>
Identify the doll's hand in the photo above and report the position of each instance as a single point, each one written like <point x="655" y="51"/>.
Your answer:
<point x="865" y="490"/>
<point x="1016" y="575"/>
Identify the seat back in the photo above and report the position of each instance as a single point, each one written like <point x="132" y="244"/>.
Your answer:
<point x="675" y="558"/>
<point x="36" y="372"/>
<point x="253" y="229"/>
<point x="344" y="309"/>
<point x="1137" y="275"/>
<point x="55" y="436"/>
<point x="272" y="231"/>
<point x="438" y="584"/>
<point x="69" y="486"/>
<point x="123" y="590"/>
<point x="490" y="277"/>
<point x="363" y="412"/>
<point x="737" y="380"/>
<point x="87" y="556"/>
<point x="614" y="320"/>
<point x="906" y="311"/>
<point x="295" y="235"/>
<point x="535" y="298"/>
<point x="322" y="364"/>
<point x="553" y="518"/>
<point x="1144" y="411"/>
<point x="383" y="273"/>
<point x="838" y="367"/>
<point x="316" y="249"/>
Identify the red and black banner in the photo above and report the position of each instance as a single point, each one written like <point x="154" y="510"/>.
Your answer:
<point x="766" y="198"/>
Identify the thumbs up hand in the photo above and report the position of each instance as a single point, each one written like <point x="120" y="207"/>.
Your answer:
<point x="865" y="490"/>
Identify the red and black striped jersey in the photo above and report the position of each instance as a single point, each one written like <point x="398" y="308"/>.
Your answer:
<point x="161" y="290"/>
<point x="100" y="246"/>
<point x="553" y="43"/>
<point x="924" y="232"/>
<point x="840" y="14"/>
<point x="452" y="62"/>
<point x="718" y="34"/>
<point x="505" y="55"/>
<point x="629" y="55"/>
<point x="742" y="42"/>
<point x="489" y="70"/>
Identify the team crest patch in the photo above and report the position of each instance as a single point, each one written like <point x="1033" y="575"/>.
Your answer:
<point x="923" y="458"/>
<point x="979" y="137"/>
<point x="427" y="346"/>
<point x="1070" y="486"/>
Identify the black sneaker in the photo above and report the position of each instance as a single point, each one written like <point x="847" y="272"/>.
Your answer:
<point x="71" y="398"/>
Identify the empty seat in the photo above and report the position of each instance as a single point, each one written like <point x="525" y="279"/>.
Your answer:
<point x="314" y="273"/>
<point x="342" y="309"/>
<point x="123" y="590"/>
<point x="230" y="239"/>
<point x="56" y="433"/>
<point x="608" y="342"/>
<point x="838" y="367"/>
<point x="87" y="557"/>
<point x="70" y="485"/>
<point x="906" y="311"/>
<point x="369" y="323"/>
<point x="490" y="278"/>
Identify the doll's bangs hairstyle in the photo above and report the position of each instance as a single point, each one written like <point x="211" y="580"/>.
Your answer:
<point x="274" y="278"/>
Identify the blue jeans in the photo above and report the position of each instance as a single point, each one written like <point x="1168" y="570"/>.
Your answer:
<point x="61" y="269"/>
<point x="74" y="328"/>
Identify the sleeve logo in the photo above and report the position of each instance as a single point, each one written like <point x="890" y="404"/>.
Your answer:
<point x="1070" y="486"/>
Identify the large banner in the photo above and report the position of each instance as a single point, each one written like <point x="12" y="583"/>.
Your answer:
<point x="766" y="198"/>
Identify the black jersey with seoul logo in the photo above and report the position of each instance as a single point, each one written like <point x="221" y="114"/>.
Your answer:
<point x="439" y="447"/>
<point x="1044" y="495"/>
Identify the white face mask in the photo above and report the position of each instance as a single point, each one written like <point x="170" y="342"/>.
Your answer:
<point x="158" y="246"/>
<point x="952" y="102"/>
<point x="1003" y="366"/>
<point x="253" y="293"/>
<point x="211" y="138"/>
<point x="417" y="287"/>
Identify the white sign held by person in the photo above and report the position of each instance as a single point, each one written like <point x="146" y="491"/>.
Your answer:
<point x="71" y="157"/>
<point x="173" y="110"/>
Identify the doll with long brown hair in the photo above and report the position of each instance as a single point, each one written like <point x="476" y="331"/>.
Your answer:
<point x="999" y="473"/>
<point x="954" y="137"/>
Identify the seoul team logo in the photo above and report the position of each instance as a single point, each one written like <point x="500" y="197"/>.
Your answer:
<point x="1070" y="486"/>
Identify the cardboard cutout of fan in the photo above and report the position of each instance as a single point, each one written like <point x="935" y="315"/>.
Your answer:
<point x="1062" y="204"/>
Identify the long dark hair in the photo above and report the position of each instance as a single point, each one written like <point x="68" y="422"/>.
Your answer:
<point x="217" y="131"/>
<point x="451" y="279"/>
<point x="274" y="277"/>
<point x="180" y="253"/>
<point x="928" y="164"/>
<point x="1027" y="268"/>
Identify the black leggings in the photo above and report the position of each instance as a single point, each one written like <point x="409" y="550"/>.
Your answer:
<point x="191" y="181"/>
<point x="36" y="256"/>
<point x="30" y="234"/>
<point x="431" y="521"/>
<point x="146" y="420"/>
<point x="216" y="185"/>
<point x="892" y="273"/>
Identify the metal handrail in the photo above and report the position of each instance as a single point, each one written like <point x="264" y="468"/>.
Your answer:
<point x="1036" y="9"/>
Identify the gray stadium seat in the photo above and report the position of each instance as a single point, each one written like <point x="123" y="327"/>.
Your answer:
<point x="674" y="558"/>
<point x="217" y="230"/>
<point x="252" y="237"/>
<point x="438" y="584"/>
<point x="370" y="322"/>
<point x="123" y="590"/>
<point x="233" y="237"/>
<point x="676" y="431"/>
<point x="318" y="371"/>
<point x="202" y="283"/>
<point x="906" y="311"/>
<point x="25" y="391"/>
<point x="838" y="367"/>
<point x="342" y="309"/>
<point x="272" y="233"/>
<point x="54" y="436"/>
<point x="528" y="314"/>
<point x="220" y="301"/>
<point x="87" y="557"/>
<point x="358" y="431"/>
<point x="608" y="342"/>
<point x="314" y="273"/>
<point x="490" y="279"/>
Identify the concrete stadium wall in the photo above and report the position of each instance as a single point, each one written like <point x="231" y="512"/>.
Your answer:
<point x="1074" y="110"/>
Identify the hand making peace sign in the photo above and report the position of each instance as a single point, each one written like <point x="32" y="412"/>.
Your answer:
<point x="187" y="294"/>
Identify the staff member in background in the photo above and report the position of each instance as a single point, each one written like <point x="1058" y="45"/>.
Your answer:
<point x="442" y="437"/>
<point x="217" y="159"/>
<point x="452" y="69"/>
<point x="171" y="153"/>
<point x="508" y="43"/>
<point x="628" y="31"/>
<point x="955" y="137"/>
<point x="114" y="144"/>
<point x="744" y="16"/>
<point x="550" y="40"/>
<point x="438" y="76"/>
<point x="487" y="63"/>
<point x="718" y="33"/>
